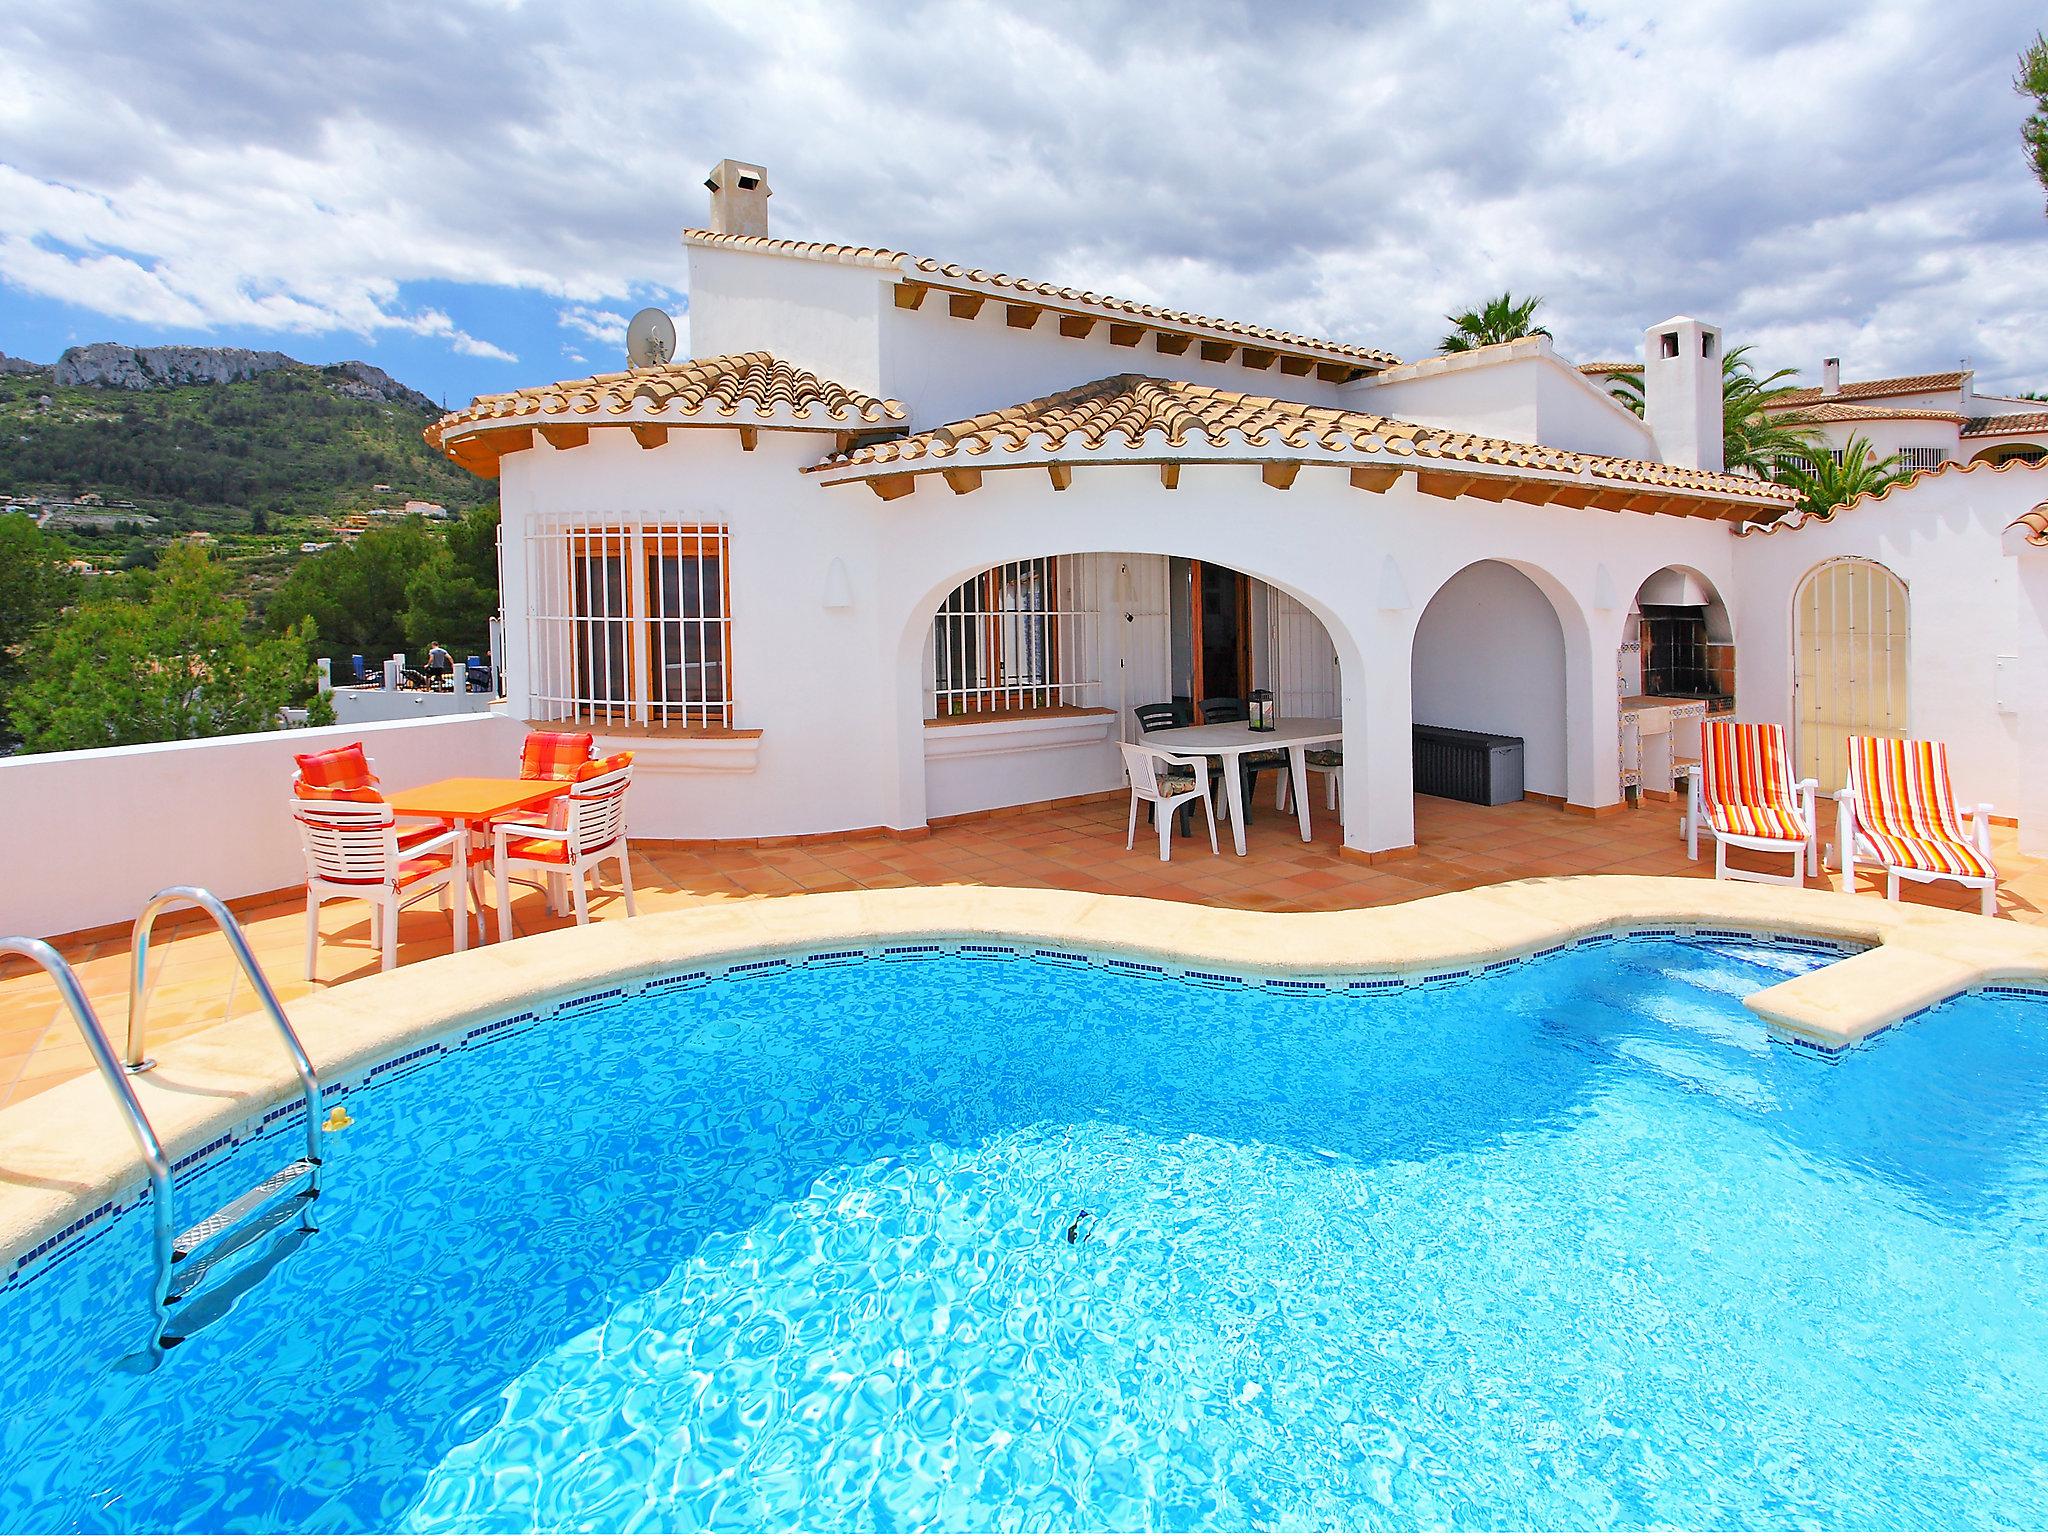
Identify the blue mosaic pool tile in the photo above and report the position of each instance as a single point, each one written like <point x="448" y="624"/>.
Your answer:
<point x="988" y="952"/>
<point x="1060" y="957"/>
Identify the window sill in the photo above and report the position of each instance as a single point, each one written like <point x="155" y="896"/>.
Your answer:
<point x="680" y="748"/>
<point x="1030" y="731"/>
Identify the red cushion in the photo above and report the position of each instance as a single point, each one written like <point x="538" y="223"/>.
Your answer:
<point x="541" y="850"/>
<point x="554" y="754"/>
<point x="337" y="768"/>
<point x="603" y="765"/>
<point x="368" y="794"/>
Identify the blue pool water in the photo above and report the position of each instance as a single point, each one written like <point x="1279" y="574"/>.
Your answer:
<point x="1572" y="1245"/>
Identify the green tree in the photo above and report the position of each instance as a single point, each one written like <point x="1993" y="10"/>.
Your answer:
<point x="1824" y="483"/>
<point x="453" y="597"/>
<point x="1506" y="318"/>
<point x="2032" y="82"/>
<point x="36" y="583"/>
<point x="161" y="655"/>
<point x="1758" y="431"/>
<point x="355" y="594"/>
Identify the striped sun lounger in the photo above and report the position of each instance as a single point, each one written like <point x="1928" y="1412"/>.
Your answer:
<point x="1899" y="813"/>
<point x="1743" y="793"/>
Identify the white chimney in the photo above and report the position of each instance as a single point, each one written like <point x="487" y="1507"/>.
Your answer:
<point x="1831" y="375"/>
<point x="739" y="198"/>
<point x="1682" y="392"/>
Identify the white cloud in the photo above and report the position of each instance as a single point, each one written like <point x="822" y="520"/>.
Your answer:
<point x="1817" y="178"/>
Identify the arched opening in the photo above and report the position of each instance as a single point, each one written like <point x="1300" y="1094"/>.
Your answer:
<point x="2000" y="453"/>
<point x="1489" y="656"/>
<point x="1677" y="666"/>
<point x="1033" y="670"/>
<point x="1849" y="663"/>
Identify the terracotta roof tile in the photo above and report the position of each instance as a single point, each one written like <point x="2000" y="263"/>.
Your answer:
<point x="2035" y="522"/>
<point x="1124" y="411"/>
<point x="1604" y="369"/>
<point x="937" y="274"/>
<point x="1830" y="410"/>
<point x="1876" y="389"/>
<point x="1997" y="426"/>
<point x="740" y="389"/>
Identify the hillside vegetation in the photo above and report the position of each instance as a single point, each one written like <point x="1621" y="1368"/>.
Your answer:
<point x="260" y="464"/>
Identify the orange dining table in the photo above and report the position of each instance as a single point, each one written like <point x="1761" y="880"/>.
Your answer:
<point x="468" y="802"/>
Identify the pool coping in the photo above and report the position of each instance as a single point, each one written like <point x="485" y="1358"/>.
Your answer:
<point x="66" y="1160"/>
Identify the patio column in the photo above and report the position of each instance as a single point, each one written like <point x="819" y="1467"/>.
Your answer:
<point x="2031" y="688"/>
<point x="1592" y="713"/>
<point x="1379" y="743"/>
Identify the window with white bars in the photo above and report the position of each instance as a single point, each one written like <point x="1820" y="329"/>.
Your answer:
<point x="631" y="623"/>
<point x="1922" y="458"/>
<point x="1023" y="636"/>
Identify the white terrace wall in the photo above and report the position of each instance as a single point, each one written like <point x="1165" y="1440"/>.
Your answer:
<point x="91" y="836"/>
<point x="1941" y="536"/>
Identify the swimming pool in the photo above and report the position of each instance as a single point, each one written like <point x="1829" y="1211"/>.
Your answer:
<point x="962" y="1239"/>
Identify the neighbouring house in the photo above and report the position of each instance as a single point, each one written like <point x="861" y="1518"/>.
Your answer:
<point x="907" y="540"/>
<point x="1925" y="419"/>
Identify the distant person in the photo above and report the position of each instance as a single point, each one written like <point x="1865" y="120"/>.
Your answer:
<point x="439" y="663"/>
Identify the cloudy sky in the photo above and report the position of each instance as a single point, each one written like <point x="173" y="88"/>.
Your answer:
<point x="473" y="195"/>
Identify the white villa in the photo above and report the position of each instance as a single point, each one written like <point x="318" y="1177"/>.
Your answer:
<point x="906" y="540"/>
<point x="1926" y="419"/>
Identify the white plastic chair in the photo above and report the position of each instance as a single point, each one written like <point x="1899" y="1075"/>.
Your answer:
<point x="409" y="837"/>
<point x="1327" y="761"/>
<point x="586" y="827"/>
<point x="1164" y="792"/>
<point x="353" y="854"/>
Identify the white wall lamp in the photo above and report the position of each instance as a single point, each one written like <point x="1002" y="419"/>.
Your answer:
<point x="1605" y="598"/>
<point x="838" y="587"/>
<point x="1393" y="587"/>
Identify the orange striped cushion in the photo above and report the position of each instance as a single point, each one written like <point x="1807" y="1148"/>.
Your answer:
<point x="1746" y="783"/>
<point x="1905" y="808"/>
<point x="339" y="768"/>
<point x="367" y="794"/>
<point x="544" y="850"/>
<point x="554" y="754"/>
<point x="603" y="765"/>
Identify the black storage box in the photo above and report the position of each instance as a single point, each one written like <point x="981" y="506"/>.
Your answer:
<point x="1467" y="765"/>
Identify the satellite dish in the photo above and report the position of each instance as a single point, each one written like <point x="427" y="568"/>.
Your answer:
<point x="650" y="339"/>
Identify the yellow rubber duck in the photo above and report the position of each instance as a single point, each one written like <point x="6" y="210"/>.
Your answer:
<point x="338" y="1119"/>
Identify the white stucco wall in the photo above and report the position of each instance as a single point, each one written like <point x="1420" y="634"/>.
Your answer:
<point x="819" y="315"/>
<point x="93" y="835"/>
<point x="1489" y="656"/>
<point x="1942" y="537"/>
<point x="1524" y="393"/>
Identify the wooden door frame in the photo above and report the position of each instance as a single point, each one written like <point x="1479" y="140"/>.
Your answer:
<point x="1244" y="632"/>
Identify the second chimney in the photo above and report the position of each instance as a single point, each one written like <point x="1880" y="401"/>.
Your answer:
<point x="1831" y="375"/>
<point x="739" y="198"/>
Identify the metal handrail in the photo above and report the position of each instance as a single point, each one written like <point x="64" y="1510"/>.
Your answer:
<point x="138" y="996"/>
<point x="154" y="1162"/>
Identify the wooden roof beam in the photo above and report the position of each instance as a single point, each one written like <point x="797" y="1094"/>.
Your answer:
<point x="890" y="487"/>
<point x="1076" y="326"/>
<point x="750" y="439"/>
<point x="962" y="480"/>
<point x="1535" y="493"/>
<point x="1575" y="495"/>
<point x="649" y="434"/>
<point x="1170" y="344"/>
<point x="1280" y="473"/>
<point x="1217" y="351"/>
<point x="1257" y="357"/>
<point x="1333" y="373"/>
<point x="1435" y="482"/>
<point x="1374" y="477"/>
<point x="1061" y="475"/>
<point x="910" y="295"/>
<point x="564" y="436"/>
<point x="1490" y="488"/>
<point x="1295" y="367"/>
<point x="1169" y="476"/>
<point x="964" y="306"/>
<point x="1021" y="317"/>
<point x="1125" y="335"/>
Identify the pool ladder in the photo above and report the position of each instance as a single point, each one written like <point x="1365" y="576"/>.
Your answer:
<point x="185" y="1258"/>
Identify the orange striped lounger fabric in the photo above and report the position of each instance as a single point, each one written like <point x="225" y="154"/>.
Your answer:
<point x="1745" y="787"/>
<point x="1905" y="809"/>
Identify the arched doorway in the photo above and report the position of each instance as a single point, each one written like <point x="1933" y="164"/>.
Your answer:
<point x="1489" y="656"/>
<point x="1849" y="674"/>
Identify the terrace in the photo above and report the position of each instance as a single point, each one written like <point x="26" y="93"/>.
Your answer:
<point x="1074" y="846"/>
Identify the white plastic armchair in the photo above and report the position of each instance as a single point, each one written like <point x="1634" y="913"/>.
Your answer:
<point x="353" y="853"/>
<point x="1165" y="791"/>
<point x="587" y="827"/>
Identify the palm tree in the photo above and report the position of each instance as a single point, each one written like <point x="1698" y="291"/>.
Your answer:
<point x="1757" y="433"/>
<point x="1825" y="483"/>
<point x="1506" y="318"/>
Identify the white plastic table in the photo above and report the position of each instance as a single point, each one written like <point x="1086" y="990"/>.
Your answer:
<point x="1231" y="739"/>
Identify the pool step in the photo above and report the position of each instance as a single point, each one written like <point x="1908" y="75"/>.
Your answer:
<point x="246" y="1219"/>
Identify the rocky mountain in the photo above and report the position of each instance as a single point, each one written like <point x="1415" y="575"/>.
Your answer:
<point x="109" y="365"/>
<point x="19" y="365"/>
